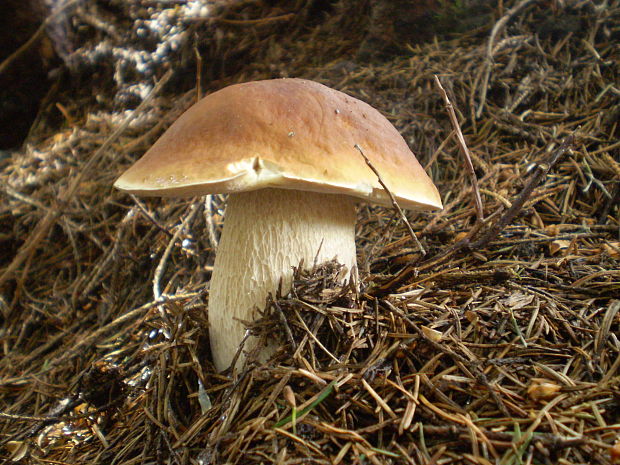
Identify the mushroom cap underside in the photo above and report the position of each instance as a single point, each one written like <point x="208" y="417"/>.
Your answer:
<point x="286" y="134"/>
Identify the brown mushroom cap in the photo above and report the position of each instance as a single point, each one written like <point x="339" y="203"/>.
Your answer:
<point x="286" y="134"/>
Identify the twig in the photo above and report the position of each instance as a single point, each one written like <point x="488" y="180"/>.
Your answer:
<point x="393" y="200"/>
<point x="8" y="61"/>
<point x="208" y="213"/>
<point x="287" y="328"/>
<point x="8" y="190"/>
<point x="53" y="417"/>
<point x="464" y="150"/>
<point x="603" y="333"/>
<point x="57" y="413"/>
<point x="480" y="376"/>
<point x="499" y="25"/>
<point x="438" y="151"/>
<point x="41" y="229"/>
<point x="103" y="266"/>
<point x="540" y="172"/>
<point x="198" y="68"/>
<point x="611" y="202"/>
<point x="233" y="363"/>
<point x="148" y="215"/>
<point x="312" y="336"/>
<point x="81" y="345"/>
<point x="251" y="22"/>
<point x="555" y="442"/>
<point x="61" y="412"/>
<point x="413" y="270"/>
<point x="161" y="266"/>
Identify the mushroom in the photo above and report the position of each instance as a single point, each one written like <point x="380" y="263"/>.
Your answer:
<point x="284" y="152"/>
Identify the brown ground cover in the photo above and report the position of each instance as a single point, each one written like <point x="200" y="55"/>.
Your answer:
<point x="499" y="345"/>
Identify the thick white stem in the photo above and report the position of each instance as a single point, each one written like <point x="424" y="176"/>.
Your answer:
<point x="266" y="233"/>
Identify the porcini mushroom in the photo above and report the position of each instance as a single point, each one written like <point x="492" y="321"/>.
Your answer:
<point x="284" y="151"/>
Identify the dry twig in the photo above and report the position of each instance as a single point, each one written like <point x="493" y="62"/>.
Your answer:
<point x="464" y="150"/>
<point x="414" y="238"/>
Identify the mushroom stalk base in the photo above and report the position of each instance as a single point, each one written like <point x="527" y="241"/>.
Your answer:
<point x="267" y="233"/>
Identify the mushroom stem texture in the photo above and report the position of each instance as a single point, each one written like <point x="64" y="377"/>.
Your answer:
<point x="266" y="233"/>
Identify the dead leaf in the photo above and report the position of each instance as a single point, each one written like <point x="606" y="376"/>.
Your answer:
<point x="18" y="450"/>
<point x="559" y="245"/>
<point x="518" y="300"/>
<point x="612" y="249"/>
<point x="542" y="389"/>
<point x="432" y="334"/>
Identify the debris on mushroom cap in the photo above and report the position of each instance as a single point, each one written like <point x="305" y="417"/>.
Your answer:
<point x="282" y="133"/>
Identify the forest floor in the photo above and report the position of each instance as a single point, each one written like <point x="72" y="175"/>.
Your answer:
<point x="498" y="345"/>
